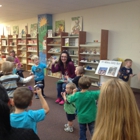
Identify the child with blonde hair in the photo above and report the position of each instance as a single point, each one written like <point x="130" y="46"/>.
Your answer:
<point x="85" y="102"/>
<point x="118" y="116"/>
<point x="69" y="107"/>
<point x="38" y="70"/>
<point x="10" y="80"/>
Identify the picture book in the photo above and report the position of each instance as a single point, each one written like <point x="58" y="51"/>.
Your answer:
<point x="33" y="30"/>
<point x="15" y="30"/>
<point x="66" y="41"/>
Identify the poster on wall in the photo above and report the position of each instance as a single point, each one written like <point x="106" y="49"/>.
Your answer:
<point x="59" y="27"/>
<point x="24" y="29"/>
<point x="76" y="25"/>
<point x="108" y="68"/>
<point x="7" y="30"/>
<point x="15" y="30"/>
<point x="44" y="24"/>
<point x="33" y="30"/>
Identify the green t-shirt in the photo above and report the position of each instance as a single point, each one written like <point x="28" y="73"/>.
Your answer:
<point x="69" y="107"/>
<point x="85" y="103"/>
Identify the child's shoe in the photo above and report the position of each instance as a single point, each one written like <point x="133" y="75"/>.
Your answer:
<point x="68" y="129"/>
<point x="44" y="96"/>
<point x="36" y="97"/>
<point x="61" y="102"/>
<point x="57" y="100"/>
<point x="66" y="125"/>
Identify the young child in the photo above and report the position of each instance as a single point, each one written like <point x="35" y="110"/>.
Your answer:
<point x="27" y="119"/>
<point x="38" y="71"/>
<point x="126" y="71"/>
<point x="85" y="102"/>
<point x="79" y="71"/>
<point x="17" y="63"/>
<point x="69" y="107"/>
<point x="10" y="80"/>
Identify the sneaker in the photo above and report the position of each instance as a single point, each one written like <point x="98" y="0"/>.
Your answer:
<point x="66" y="125"/>
<point x="36" y="97"/>
<point x="61" y="102"/>
<point x="68" y="129"/>
<point x="57" y="100"/>
<point x="44" y="96"/>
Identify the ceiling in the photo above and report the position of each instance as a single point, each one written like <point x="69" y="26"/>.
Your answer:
<point x="13" y="10"/>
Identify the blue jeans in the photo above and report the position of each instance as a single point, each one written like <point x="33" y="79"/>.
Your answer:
<point x="60" y="88"/>
<point x="83" y="129"/>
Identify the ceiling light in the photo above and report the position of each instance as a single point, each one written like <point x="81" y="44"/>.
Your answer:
<point x="0" y="5"/>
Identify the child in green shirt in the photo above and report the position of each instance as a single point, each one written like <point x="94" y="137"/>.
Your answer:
<point x="69" y="107"/>
<point x="85" y="102"/>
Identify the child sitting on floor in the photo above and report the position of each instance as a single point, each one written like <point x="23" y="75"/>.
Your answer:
<point x="27" y="119"/>
<point x="69" y="107"/>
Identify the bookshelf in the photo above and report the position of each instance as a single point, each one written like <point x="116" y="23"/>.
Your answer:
<point x="4" y="46"/>
<point x="31" y="49"/>
<point x="90" y="55"/>
<point x="53" y="50"/>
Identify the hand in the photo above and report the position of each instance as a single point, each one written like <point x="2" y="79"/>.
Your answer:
<point x="65" y="81"/>
<point x="63" y="94"/>
<point x="74" y="90"/>
<point x="38" y="91"/>
<point x="33" y="76"/>
<point x="66" y="77"/>
<point x="31" y="73"/>
<point x="53" y="61"/>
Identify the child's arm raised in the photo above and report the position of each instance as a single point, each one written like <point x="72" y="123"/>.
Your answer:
<point x="43" y="101"/>
<point x="25" y="80"/>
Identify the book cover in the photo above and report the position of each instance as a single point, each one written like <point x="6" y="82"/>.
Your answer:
<point x="15" y="30"/>
<point x="33" y="30"/>
<point x="76" y="25"/>
<point x="59" y="27"/>
<point x="50" y="33"/>
<point x="66" y="41"/>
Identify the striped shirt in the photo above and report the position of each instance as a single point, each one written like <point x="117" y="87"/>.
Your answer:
<point x="10" y="81"/>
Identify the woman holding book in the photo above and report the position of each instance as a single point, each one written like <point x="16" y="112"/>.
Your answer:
<point x="67" y="68"/>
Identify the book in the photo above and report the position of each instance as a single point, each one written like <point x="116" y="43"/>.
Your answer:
<point x="50" y="33"/>
<point x="66" y="41"/>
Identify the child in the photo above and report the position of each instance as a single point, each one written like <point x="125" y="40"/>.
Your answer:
<point x="126" y="71"/>
<point x="38" y="71"/>
<point x="10" y="80"/>
<point x="11" y="59"/>
<point x="79" y="71"/>
<point x="69" y="107"/>
<point x="27" y="119"/>
<point x="17" y="63"/>
<point x="85" y="102"/>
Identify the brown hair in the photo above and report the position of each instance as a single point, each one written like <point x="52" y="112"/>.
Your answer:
<point x="12" y="51"/>
<point x="22" y="97"/>
<point x="126" y="60"/>
<point x="7" y="67"/>
<point x="84" y="82"/>
<point x="80" y="69"/>
<point x="118" y="116"/>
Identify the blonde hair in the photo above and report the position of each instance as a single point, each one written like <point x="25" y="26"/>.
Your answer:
<point x="7" y="67"/>
<point x="34" y="57"/>
<point x="118" y="116"/>
<point x="80" y="69"/>
<point x="71" y="86"/>
<point x="10" y="59"/>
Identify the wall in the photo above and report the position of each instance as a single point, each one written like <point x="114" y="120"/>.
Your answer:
<point x="123" y="22"/>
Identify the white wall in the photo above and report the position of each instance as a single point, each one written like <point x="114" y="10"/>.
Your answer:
<point x="123" y="22"/>
<point x="21" y="24"/>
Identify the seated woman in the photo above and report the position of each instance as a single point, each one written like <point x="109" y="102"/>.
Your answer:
<point x="67" y="68"/>
<point x="118" y="116"/>
<point x="6" y="131"/>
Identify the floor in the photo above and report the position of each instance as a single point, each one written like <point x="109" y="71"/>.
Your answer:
<point x="52" y="128"/>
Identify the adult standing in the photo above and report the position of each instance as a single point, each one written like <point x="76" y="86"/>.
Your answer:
<point x="67" y="68"/>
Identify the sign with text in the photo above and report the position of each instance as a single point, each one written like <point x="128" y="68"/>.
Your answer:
<point x="108" y="68"/>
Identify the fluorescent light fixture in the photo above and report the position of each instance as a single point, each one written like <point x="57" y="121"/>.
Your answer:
<point x="0" y="5"/>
